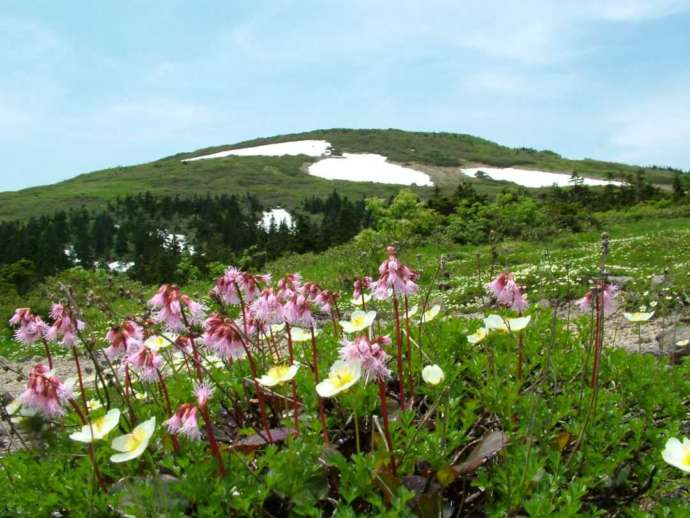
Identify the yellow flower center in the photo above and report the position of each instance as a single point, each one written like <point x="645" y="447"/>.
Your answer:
<point x="358" y="321"/>
<point x="341" y="379"/>
<point x="135" y="439"/>
<point x="686" y="457"/>
<point x="279" y="371"/>
<point x="98" y="424"/>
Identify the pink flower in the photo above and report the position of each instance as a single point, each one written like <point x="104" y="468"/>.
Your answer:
<point x="394" y="276"/>
<point x="65" y="326"/>
<point x="183" y="343"/>
<point x="326" y="299"/>
<point x="31" y="327"/>
<point x="370" y="354"/>
<point x="223" y="337"/>
<point x="232" y="280"/>
<point x="289" y="285"/>
<point x="297" y="313"/>
<point x="609" y="292"/>
<point x="507" y="292"/>
<point x="203" y="393"/>
<point x="45" y="393"/>
<point x="184" y="422"/>
<point x="145" y="362"/>
<point x="360" y="285"/>
<point x="122" y="337"/>
<point x="267" y="307"/>
<point x="169" y="302"/>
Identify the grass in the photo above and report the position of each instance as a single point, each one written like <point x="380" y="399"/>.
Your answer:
<point x="284" y="181"/>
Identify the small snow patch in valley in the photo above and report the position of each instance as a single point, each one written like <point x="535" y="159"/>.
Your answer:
<point x="313" y="148"/>
<point x="367" y="167"/>
<point x="278" y="216"/>
<point x="531" y="178"/>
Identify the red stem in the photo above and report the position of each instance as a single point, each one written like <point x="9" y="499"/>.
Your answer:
<point x="168" y="406"/>
<point x="50" y="358"/>
<point x="322" y="410"/>
<point x="409" y="351"/>
<point x="398" y="343"/>
<point x="386" y="428"/>
<point x="92" y="455"/>
<point x="259" y="392"/>
<point x="215" y="450"/>
<point x="293" y="384"/>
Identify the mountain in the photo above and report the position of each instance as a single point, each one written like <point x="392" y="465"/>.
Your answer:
<point x="285" y="180"/>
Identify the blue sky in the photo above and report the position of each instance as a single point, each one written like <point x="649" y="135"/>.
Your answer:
<point x="89" y="85"/>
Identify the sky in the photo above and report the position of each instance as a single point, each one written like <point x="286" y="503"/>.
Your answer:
<point x="95" y="84"/>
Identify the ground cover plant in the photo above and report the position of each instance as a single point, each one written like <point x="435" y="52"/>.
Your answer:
<point x="473" y="384"/>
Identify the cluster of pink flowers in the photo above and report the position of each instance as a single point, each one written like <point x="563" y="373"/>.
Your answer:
<point x="227" y="286"/>
<point x="123" y="338"/>
<point x="289" y="285"/>
<point x="223" y="336"/>
<point x="65" y="326"/>
<point x="370" y="354"/>
<point x="45" y="393"/>
<point x="30" y="327"/>
<point x="394" y="278"/>
<point x="608" y="291"/>
<point x="297" y="312"/>
<point x="507" y="292"/>
<point x="169" y="302"/>
<point x="267" y="307"/>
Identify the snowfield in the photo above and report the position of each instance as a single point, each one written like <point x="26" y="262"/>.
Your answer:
<point x="367" y="167"/>
<point x="313" y="148"/>
<point x="278" y="216"/>
<point x="531" y="178"/>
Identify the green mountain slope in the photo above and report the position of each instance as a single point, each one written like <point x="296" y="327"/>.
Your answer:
<point x="285" y="181"/>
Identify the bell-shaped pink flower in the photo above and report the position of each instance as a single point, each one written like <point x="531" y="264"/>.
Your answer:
<point x="507" y="292"/>
<point x="394" y="278"/>
<point x="267" y="307"/>
<point x="609" y="292"/>
<point x="169" y="302"/>
<point x="45" y="393"/>
<point x="297" y="313"/>
<point x="370" y="354"/>
<point x="223" y="337"/>
<point x="122" y="337"/>
<point x="289" y="286"/>
<point x="203" y="393"/>
<point x="360" y="285"/>
<point x="184" y="422"/>
<point x="30" y="327"/>
<point x="234" y="279"/>
<point x="145" y="362"/>
<point x="65" y="326"/>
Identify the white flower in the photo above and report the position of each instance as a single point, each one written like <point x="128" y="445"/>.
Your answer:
<point x="132" y="445"/>
<point x="299" y="334"/>
<point x="342" y="375"/>
<point x="433" y="374"/>
<point x="359" y="320"/>
<point x="478" y="335"/>
<point x="358" y="301"/>
<point x="99" y="427"/>
<point x="277" y="328"/>
<point x="430" y="314"/>
<point x="677" y="453"/>
<point x="93" y="405"/>
<point x="638" y="317"/>
<point x="506" y="325"/>
<point x="158" y="342"/>
<point x="279" y="374"/>
<point x="683" y="343"/>
<point x="412" y="311"/>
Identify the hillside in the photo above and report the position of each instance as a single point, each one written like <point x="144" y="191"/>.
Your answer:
<point x="285" y="180"/>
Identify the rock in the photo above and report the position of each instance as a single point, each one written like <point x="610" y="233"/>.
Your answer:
<point x="657" y="280"/>
<point x="669" y="341"/>
<point x="620" y="280"/>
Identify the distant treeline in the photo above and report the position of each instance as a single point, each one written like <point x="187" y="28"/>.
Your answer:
<point x="167" y="237"/>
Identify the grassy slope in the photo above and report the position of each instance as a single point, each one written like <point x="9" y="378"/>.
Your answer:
<point x="283" y="180"/>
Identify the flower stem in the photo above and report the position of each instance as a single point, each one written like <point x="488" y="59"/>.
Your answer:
<point x="168" y="406"/>
<point x="322" y="411"/>
<point x="259" y="392"/>
<point x="398" y="343"/>
<point x="386" y="428"/>
<point x="50" y="358"/>
<point x="293" y="383"/>
<point x="409" y="350"/>
<point x="92" y="456"/>
<point x="215" y="449"/>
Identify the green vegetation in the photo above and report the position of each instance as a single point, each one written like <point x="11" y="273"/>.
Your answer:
<point x="284" y="181"/>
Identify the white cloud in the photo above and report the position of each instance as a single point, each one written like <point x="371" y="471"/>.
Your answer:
<point x="653" y="132"/>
